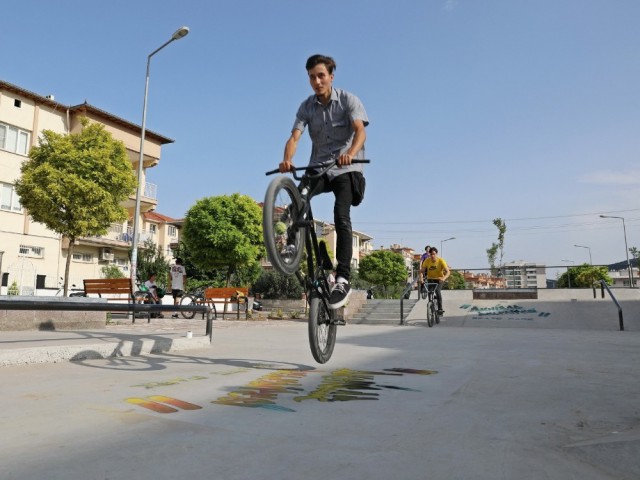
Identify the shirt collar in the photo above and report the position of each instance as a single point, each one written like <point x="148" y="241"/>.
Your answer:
<point x="334" y="97"/>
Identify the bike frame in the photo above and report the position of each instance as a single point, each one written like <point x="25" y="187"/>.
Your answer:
<point x="316" y="281"/>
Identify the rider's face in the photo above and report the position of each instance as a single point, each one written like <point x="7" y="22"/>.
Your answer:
<point x="321" y="80"/>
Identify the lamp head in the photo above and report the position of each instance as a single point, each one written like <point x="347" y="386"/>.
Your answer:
<point x="181" y="32"/>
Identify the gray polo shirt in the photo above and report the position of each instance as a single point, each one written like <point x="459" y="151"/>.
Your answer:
<point x="330" y="127"/>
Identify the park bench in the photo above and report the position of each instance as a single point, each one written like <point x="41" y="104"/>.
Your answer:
<point x="228" y="296"/>
<point x="111" y="287"/>
<point x="117" y="290"/>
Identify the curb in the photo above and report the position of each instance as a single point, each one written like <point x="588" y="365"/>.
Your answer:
<point x="112" y="349"/>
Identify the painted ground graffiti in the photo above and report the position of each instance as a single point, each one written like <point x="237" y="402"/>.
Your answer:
<point x="272" y="390"/>
<point x="503" y="312"/>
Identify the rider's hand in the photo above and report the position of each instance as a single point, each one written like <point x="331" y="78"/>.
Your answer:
<point x="345" y="159"/>
<point x="286" y="166"/>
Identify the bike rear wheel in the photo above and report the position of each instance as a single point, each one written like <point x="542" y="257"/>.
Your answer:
<point x="322" y="332"/>
<point x="431" y="312"/>
<point x="187" y="300"/>
<point x="283" y="239"/>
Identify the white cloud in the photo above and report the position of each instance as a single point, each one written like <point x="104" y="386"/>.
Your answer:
<point x="608" y="177"/>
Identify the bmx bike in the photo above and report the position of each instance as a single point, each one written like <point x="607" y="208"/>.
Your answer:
<point x="427" y="292"/>
<point x="289" y="232"/>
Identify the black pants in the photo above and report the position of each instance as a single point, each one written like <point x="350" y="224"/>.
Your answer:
<point x="436" y="287"/>
<point x="341" y="188"/>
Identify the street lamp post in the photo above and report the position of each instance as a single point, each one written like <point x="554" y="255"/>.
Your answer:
<point x="626" y="248"/>
<point x="442" y="241"/>
<point x="582" y="246"/>
<point x="569" y="272"/>
<point x="178" y="34"/>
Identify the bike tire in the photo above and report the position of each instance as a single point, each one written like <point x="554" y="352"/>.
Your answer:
<point x="430" y="313"/>
<point x="187" y="300"/>
<point x="322" y="332"/>
<point x="424" y="291"/>
<point x="284" y="242"/>
<point x="437" y="317"/>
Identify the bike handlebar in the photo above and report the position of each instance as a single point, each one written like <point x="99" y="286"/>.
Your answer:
<point x="323" y="166"/>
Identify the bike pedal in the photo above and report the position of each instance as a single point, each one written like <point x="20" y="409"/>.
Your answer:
<point x="338" y="321"/>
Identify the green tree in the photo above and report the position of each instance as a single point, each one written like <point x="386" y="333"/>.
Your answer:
<point x="492" y="253"/>
<point x="272" y="285"/>
<point x="583" y="276"/>
<point x="151" y="259"/>
<point x="111" y="271"/>
<point x="455" y="281"/>
<point x="225" y="232"/>
<point x="384" y="269"/>
<point x="75" y="183"/>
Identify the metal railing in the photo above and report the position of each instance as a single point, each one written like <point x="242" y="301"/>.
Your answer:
<point x="604" y="285"/>
<point x="75" y="305"/>
<point x="406" y="290"/>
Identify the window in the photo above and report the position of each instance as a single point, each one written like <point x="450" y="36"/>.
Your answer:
<point x="82" y="257"/>
<point x="153" y="228"/>
<point x="122" y="263"/>
<point x="9" y="198"/>
<point x="31" y="251"/>
<point x="13" y="139"/>
<point x="173" y="231"/>
<point x="17" y="103"/>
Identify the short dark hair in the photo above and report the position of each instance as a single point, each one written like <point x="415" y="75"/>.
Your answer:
<point x="178" y="261"/>
<point x="427" y="248"/>
<point x="317" y="59"/>
<point x="433" y="249"/>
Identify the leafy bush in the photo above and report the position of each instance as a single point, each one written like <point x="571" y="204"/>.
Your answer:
<point x="13" y="289"/>
<point x="111" y="271"/>
<point x="274" y="285"/>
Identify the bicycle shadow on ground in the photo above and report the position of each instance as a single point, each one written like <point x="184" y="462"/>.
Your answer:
<point x="162" y="361"/>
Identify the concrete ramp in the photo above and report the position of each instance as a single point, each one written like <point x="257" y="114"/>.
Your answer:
<point x="559" y="308"/>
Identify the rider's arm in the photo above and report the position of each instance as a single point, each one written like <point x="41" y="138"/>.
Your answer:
<point x="289" y="151"/>
<point x="357" y="144"/>
<point x="445" y="271"/>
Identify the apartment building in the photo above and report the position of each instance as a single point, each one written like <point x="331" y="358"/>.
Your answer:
<point x="361" y="242"/>
<point x="521" y="274"/>
<point x="34" y="256"/>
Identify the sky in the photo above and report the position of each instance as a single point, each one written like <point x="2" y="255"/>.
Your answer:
<point x="528" y="111"/>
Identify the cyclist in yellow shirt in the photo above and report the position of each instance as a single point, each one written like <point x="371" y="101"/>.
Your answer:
<point x="437" y="272"/>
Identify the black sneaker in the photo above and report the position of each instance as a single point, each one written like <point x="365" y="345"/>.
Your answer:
<point x="339" y="295"/>
<point x="440" y="312"/>
<point x="175" y="315"/>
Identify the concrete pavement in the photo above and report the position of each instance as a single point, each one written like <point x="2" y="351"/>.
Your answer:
<point x="393" y="402"/>
<point x="469" y="398"/>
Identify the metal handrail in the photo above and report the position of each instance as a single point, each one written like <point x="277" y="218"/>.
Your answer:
<point x="408" y="288"/>
<point x="80" y="304"/>
<point x="604" y="285"/>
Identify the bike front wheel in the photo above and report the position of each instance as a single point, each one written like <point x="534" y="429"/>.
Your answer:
<point x="431" y="313"/>
<point x="283" y="238"/>
<point x="322" y="332"/>
<point x="424" y="292"/>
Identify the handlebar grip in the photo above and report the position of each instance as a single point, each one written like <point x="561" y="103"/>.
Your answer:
<point x="355" y="160"/>
<point x="271" y="172"/>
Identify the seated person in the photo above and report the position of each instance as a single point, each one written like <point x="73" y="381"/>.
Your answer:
<point x="153" y="294"/>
